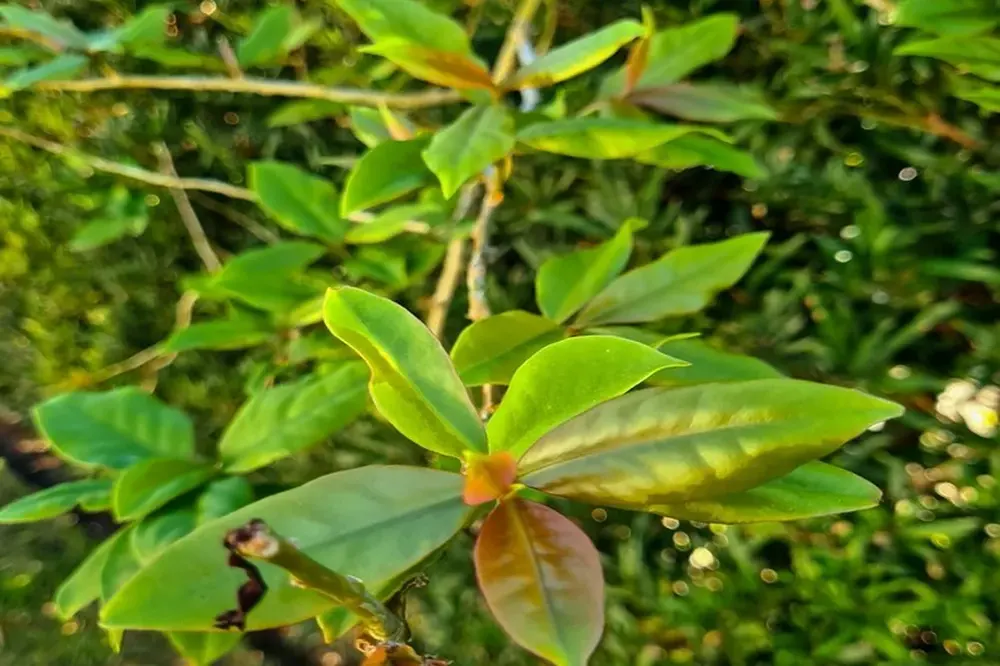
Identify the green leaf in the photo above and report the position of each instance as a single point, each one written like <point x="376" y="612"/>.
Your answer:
<point x="372" y="522"/>
<point x="444" y="68"/>
<point x="90" y="495"/>
<point x="565" y="284"/>
<point x="576" y="57"/>
<point x="706" y="102"/>
<point x="681" y="282"/>
<point x="542" y="580"/>
<point x="303" y="111"/>
<point x="385" y="172"/>
<point x="664" y="446"/>
<point x="368" y="127"/>
<point x="239" y="331"/>
<point x="566" y="379"/>
<point x="696" y="150"/>
<point x="709" y="365"/>
<point x="150" y="484"/>
<point x="599" y="138"/>
<point x="173" y="58"/>
<point x="222" y="497"/>
<point x="203" y="649"/>
<point x="676" y="52"/>
<point x="268" y="278"/>
<point x="121" y="564"/>
<point x="815" y="489"/>
<point x="297" y="200"/>
<point x="489" y="350"/>
<point x="389" y="224"/>
<point x="154" y="533"/>
<point x="970" y="54"/>
<point x="59" y="67"/>
<point x="947" y="17"/>
<point x="409" y="20"/>
<point x="413" y="383"/>
<point x="481" y="136"/>
<point x="283" y="420"/>
<point x="83" y="586"/>
<point x="265" y="43"/>
<point x="18" y="56"/>
<point x="102" y="231"/>
<point x="114" y="429"/>
<point x="148" y="27"/>
<point x="972" y="90"/>
<point x="62" y="33"/>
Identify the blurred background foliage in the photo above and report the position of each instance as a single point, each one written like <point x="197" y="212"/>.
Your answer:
<point x="881" y="194"/>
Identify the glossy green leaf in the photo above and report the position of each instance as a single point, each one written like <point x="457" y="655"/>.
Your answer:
<point x="269" y="278"/>
<point x="489" y="350"/>
<point x="947" y="17"/>
<point x="154" y="533"/>
<point x="566" y="379"/>
<point x="371" y="522"/>
<point x="450" y="69"/>
<point x="222" y="497"/>
<point x="410" y="20"/>
<point x="566" y="283"/>
<point x="481" y="136"/>
<point x="706" y="102"/>
<point x="60" y="67"/>
<point x="696" y="150"/>
<point x="413" y="383"/>
<point x="542" y="580"/>
<point x="303" y="111"/>
<point x="83" y="586"/>
<point x="203" y="649"/>
<point x="297" y="200"/>
<point x="61" y="32"/>
<point x="676" y="52"/>
<point x="815" y="489"/>
<point x="576" y="57"/>
<point x="599" y="138"/>
<point x="237" y="332"/>
<point x="970" y="54"/>
<point x="89" y="495"/>
<point x="386" y="172"/>
<point x="664" y="446"/>
<point x="114" y="429"/>
<point x="286" y="419"/>
<point x="681" y="282"/>
<point x="148" y="27"/>
<point x="709" y="365"/>
<point x="148" y="485"/>
<point x="121" y="564"/>
<point x="265" y="43"/>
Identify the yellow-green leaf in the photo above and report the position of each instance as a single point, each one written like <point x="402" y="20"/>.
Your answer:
<point x="490" y="350"/>
<point x="409" y="20"/>
<point x="481" y="136"/>
<point x="599" y="138"/>
<point x="386" y="172"/>
<point x="444" y="68"/>
<point x="148" y="485"/>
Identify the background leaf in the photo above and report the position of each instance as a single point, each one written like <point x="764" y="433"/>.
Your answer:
<point x="542" y="579"/>
<point x="481" y="136"/>
<point x="60" y="67"/>
<point x="599" y="138"/>
<point x="709" y="365"/>
<point x="488" y="351"/>
<point x="706" y="102"/>
<point x="203" y="649"/>
<point x="63" y="33"/>
<point x="265" y="43"/>
<point x="386" y="172"/>
<point x="409" y="20"/>
<point x="83" y="586"/>
<point x="698" y="150"/>
<point x="298" y="201"/>
<point x="90" y="495"/>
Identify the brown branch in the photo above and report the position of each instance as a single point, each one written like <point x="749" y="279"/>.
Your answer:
<point x="238" y="217"/>
<point x="229" y="58"/>
<point x="256" y="86"/>
<point x="188" y="216"/>
<point x="451" y="271"/>
<point x="479" y="307"/>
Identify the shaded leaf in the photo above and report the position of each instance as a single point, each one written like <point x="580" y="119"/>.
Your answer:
<point x="413" y="383"/>
<point x="681" y="282"/>
<point x="970" y="54"/>
<point x="815" y="489"/>
<point x="373" y="523"/>
<point x="368" y="126"/>
<point x="265" y="43"/>
<point x="222" y="497"/>
<point x="237" y="332"/>
<point x="121" y="564"/>
<point x="542" y="579"/>
<point x="697" y="150"/>
<point x="148" y="27"/>
<point x="599" y="138"/>
<point x="576" y="57"/>
<point x="154" y="533"/>
<point x="150" y="484"/>
<point x="664" y="446"/>
<point x="489" y="350"/>
<point x="297" y="200"/>
<point x="83" y="586"/>
<point x="102" y="231"/>
<point x="61" y="32"/>
<point x="114" y="429"/>
<point x="59" y="67"/>
<point x="972" y="90"/>
<point x="565" y="283"/>
<point x="481" y="136"/>
<point x="444" y="68"/>
<point x="409" y="20"/>
<point x="566" y="379"/>
<point x="385" y="172"/>
<point x="283" y="420"/>
<point x="707" y="102"/>
<point x="709" y="365"/>
<point x="203" y="649"/>
<point x="89" y="495"/>
<point x="303" y="111"/>
<point x="947" y="17"/>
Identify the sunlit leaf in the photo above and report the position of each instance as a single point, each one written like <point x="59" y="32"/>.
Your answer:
<point x="565" y="379"/>
<point x="444" y="68"/>
<point x="150" y="484"/>
<point x="409" y="20"/>
<point x="89" y="495"/>
<point x="599" y="138"/>
<point x="489" y="477"/>
<point x="979" y="55"/>
<point x="489" y="350"/>
<point x="413" y="384"/>
<point x="665" y="446"/>
<point x="386" y="172"/>
<point x="372" y="522"/>
<point x="480" y="137"/>
<point x="947" y="17"/>
<point x="542" y="580"/>
<point x="682" y="281"/>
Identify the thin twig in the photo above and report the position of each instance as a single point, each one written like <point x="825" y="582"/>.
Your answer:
<point x="188" y="216"/>
<point x="239" y="217"/>
<point x="479" y="307"/>
<point x="451" y="271"/>
<point x="516" y="33"/>
<point x="256" y="86"/>
<point x="229" y="58"/>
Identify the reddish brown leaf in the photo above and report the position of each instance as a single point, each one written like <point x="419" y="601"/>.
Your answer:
<point x="489" y="477"/>
<point x="542" y="579"/>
